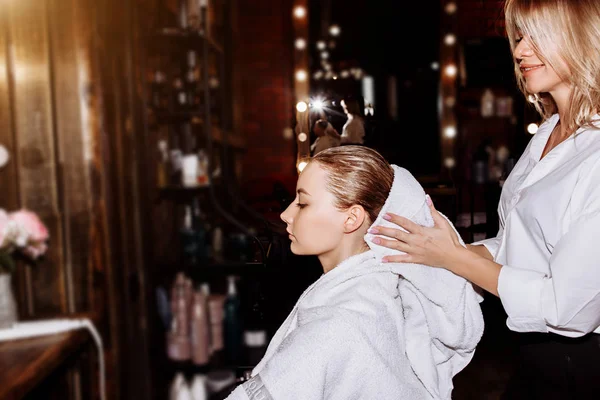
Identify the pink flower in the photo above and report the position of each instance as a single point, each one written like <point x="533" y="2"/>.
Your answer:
<point x="32" y="224"/>
<point x="35" y="250"/>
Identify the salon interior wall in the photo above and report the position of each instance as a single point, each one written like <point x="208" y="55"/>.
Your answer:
<point x="70" y="117"/>
<point x="265" y="50"/>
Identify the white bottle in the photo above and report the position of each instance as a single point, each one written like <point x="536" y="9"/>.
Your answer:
<point x="184" y="393"/>
<point x="176" y="386"/>
<point x="199" y="391"/>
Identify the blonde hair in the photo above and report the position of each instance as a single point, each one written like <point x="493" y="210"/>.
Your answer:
<point x="562" y="33"/>
<point x="357" y="175"/>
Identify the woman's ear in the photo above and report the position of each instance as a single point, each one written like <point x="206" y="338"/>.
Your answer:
<point x="355" y="217"/>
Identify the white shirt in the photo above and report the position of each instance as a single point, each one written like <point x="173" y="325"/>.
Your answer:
<point x="549" y="237"/>
<point x="353" y="131"/>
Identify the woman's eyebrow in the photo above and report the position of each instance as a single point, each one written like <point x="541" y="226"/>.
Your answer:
<point x="303" y="191"/>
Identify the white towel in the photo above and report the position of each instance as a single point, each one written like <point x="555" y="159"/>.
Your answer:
<point x="371" y="330"/>
<point x="443" y="319"/>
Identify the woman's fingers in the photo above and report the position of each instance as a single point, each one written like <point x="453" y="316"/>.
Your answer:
<point x="403" y="222"/>
<point x="389" y="232"/>
<point x="391" y="244"/>
<point x="404" y="258"/>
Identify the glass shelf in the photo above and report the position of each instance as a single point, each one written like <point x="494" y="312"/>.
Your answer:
<point x="187" y="38"/>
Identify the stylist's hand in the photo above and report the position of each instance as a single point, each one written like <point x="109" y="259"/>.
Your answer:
<point x="437" y="246"/>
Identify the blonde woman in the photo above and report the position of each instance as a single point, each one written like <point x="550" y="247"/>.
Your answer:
<point x="544" y="263"/>
<point x="353" y="131"/>
<point x="364" y="329"/>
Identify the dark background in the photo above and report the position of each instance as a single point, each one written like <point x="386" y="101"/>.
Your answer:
<point x="386" y="39"/>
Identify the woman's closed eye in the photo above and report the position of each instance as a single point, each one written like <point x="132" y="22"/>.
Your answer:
<point x="518" y="40"/>
<point x="301" y="205"/>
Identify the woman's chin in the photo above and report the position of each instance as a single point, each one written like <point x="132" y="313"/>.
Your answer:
<point x="299" y="251"/>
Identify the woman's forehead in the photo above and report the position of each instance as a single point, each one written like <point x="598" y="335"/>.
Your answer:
<point x="312" y="178"/>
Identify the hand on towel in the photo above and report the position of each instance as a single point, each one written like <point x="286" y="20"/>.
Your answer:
<point x="437" y="246"/>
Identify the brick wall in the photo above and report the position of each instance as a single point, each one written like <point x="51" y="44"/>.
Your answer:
<point x="480" y="18"/>
<point x="265" y="62"/>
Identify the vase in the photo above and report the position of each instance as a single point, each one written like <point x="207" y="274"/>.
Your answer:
<point x="8" y="305"/>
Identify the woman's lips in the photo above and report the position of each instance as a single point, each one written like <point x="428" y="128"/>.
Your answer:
<point x="527" y="69"/>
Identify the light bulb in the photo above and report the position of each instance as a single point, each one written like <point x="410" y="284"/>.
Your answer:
<point x="450" y="132"/>
<point x="299" y="12"/>
<point x="449" y="39"/>
<point x="450" y="70"/>
<point x="301" y="75"/>
<point x="301" y="106"/>
<point x="300" y="44"/>
<point x="302" y="137"/>
<point x="450" y="8"/>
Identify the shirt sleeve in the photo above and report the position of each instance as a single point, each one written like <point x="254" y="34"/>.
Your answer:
<point x="566" y="302"/>
<point x="491" y="244"/>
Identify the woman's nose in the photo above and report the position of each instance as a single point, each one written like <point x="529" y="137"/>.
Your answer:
<point x="286" y="215"/>
<point x="523" y="49"/>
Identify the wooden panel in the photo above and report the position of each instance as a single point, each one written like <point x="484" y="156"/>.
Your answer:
<point x="36" y="150"/>
<point x="72" y="148"/>
<point x="104" y="296"/>
<point x="8" y="175"/>
<point x="9" y="182"/>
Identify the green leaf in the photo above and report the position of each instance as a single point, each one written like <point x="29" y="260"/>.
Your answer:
<point x="7" y="263"/>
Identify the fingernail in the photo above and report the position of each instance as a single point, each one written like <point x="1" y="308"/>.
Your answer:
<point x="377" y="241"/>
<point x="384" y="260"/>
<point x="428" y="200"/>
<point x="373" y="230"/>
<point x="387" y="217"/>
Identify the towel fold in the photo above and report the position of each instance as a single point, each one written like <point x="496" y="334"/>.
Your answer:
<point x="443" y="320"/>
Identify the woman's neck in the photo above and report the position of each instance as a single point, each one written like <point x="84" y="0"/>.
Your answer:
<point x="347" y="248"/>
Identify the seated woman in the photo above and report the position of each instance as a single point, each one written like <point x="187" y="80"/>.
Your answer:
<point x="365" y="329"/>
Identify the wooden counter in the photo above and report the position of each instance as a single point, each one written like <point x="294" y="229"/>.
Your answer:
<point x="24" y="363"/>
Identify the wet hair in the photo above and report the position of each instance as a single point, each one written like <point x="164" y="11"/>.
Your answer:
<point x="357" y="175"/>
<point x="565" y="35"/>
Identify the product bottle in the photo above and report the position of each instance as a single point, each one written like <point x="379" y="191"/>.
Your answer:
<point x="199" y="226"/>
<point x="157" y="90"/>
<point x="255" y="329"/>
<point x="183" y="15"/>
<point x="176" y="385"/>
<point x="190" y="239"/>
<point x="199" y="390"/>
<point x="192" y="78"/>
<point x="200" y="330"/>
<point x="232" y="326"/>
<point x="181" y="99"/>
<point x="178" y="338"/>
<point x="162" y="166"/>
<point x="487" y="103"/>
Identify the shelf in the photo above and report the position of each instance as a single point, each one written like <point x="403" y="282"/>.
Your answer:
<point x="189" y="39"/>
<point x="232" y="140"/>
<point x="218" y="269"/>
<point x="193" y="117"/>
